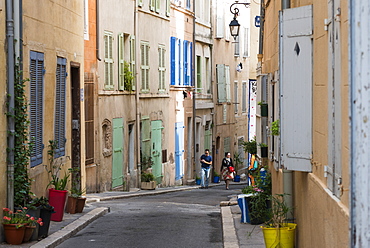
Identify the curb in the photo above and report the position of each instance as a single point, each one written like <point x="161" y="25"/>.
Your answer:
<point x="228" y="228"/>
<point x="58" y="237"/>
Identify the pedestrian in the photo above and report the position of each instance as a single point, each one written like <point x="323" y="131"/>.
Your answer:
<point x="206" y="161"/>
<point x="227" y="169"/>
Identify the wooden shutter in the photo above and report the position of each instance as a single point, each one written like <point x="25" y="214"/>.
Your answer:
<point x="145" y="137"/>
<point x="108" y="60"/>
<point x="186" y="63"/>
<point x="152" y="5"/>
<point x="161" y="67"/>
<point x="89" y="120"/>
<point x="236" y="97"/>
<point x="133" y="60"/>
<point x="227" y="83"/>
<point x="168" y="8"/>
<point x="157" y="5"/>
<point x="244" y="97"/>
<point x="121" y="62"/>
<point x="60" y="113"/>
<point x="296" y="88"/>
<point x="173" y="60"/>
<point x="144" y="66"/>
<point x="181" y="62"/>
<point x="191" y="83"/>
<point x="140" y="3"/>
<point x="221" y="82"/>
<point x="36" y="106"/>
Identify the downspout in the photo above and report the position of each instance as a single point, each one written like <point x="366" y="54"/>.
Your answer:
<point x="97" y="41"/>
<point x="97" y="30"/>
<point x="10" y="85"/>
<point x="137" y="102"/>
<point x="194" y="92"/>
<point x="288" y="174"/>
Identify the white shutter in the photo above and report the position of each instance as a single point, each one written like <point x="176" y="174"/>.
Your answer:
<point x="221" y="81"/>
<point x="227" y="81"/>
<point x="296" y="88"/>
<point x="121" y="62"/>
<point x="132" y="60"/>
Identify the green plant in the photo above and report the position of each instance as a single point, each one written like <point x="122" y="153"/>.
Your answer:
<point x="262" y="145"/>
<point x="277" y="214"/>
<point x="197" y="178"/>
<point x="128" y="77"/>
<point x="262" y="103"/>
<point x="22" y="144"/>
<point x="275" y="128"/>
<point x="76" y="190"/>
<point x="237" y="161"/>
<point x="54" y="168"/>
<point x="250" y="146"/>
<point x="216" y="174"/>
<point x="147" y="177"/>
<point x="18" y="217"/>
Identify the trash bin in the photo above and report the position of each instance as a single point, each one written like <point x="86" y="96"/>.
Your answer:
<point x="243" y="204"/>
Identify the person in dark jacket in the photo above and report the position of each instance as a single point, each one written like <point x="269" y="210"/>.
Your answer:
<point x="206" y="162"/>
<point x="227" y="169"/>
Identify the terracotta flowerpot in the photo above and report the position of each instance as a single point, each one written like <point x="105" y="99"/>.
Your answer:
<point x="71" y="205"/>
<point x="14" y="235"/>
<point x="28" y="233"/>
<point x="57" y="199"/>
<point x="80" y="204"/>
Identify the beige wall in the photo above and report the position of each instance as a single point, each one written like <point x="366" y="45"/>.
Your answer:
<point x="55" y="33"/>
<point x="323" y="219"/>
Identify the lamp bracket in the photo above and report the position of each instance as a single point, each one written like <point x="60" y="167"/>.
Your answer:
<point x="236" y="9"/>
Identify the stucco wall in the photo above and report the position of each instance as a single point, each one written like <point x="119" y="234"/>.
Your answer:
<point x="55" y="33"/>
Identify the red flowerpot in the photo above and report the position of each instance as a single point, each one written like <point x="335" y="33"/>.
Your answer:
<point x="14" y="235"/>
<point x="28" y="233"/>
<point x="57" y="199"/>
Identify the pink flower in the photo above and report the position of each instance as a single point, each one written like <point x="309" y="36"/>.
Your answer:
<point x="28" y="215"/>
<point x="41" y="223"/>
<point x="32" y="218"/>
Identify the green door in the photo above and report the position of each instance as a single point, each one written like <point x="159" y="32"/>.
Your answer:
<point x="156" y="145"/>
<point x="117" y="166"/>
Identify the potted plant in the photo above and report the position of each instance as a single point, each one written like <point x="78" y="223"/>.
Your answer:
<point x="277" y="232"/>
<point x="275" y="128"/>
<point x="14" y="224"/>
<point x="216" y="177"/>
<point x="197" y="180"/>
<point x="75" y="202"/>
<point x="147" y="181"/>
<point x="264" y="109"/>
<point x="45" y="214"/>
<point x="57" y="194"/>
<point x="31" y="226"/>
<point x="264" y="150"/>
<point x="237" y="161"/>
<point x="250" y="146"/>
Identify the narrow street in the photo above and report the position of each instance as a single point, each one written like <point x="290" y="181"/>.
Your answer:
<point x="181" y="219"/>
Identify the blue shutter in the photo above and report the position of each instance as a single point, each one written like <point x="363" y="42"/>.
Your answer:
<point x="173" y="60"/>
<point x="60" y="97"/>
<point x="186" y="61"/>
<point x="180" y="65"/>
<point x="36" y="106"/>
<point x="191" y="83"/>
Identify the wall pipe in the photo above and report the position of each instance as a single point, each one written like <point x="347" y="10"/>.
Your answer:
<point x="97" y="30"/>
<point x="10" y="89"/>
<point x="194" y="88"/>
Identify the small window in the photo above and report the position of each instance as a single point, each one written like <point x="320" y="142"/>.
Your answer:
<point x="108" y="61"/>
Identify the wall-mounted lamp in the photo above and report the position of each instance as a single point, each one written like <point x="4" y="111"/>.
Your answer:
<point x="234" y="24"/>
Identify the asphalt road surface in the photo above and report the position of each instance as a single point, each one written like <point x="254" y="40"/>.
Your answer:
<point x="181" y="219"/>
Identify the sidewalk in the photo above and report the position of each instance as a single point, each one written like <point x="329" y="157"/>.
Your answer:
<point x="235" y="233"/>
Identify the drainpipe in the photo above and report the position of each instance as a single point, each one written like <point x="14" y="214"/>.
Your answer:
<point x="288" y="174"/>
<point x="194" y="92"/>
<point x="137" y="102"/>
<point x="10" y="77"/>
<point x="97" y="30"/>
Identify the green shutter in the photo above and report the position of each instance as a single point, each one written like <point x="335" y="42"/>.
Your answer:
<point x="132" y="60"/>
<point x="140" y="3"/>
<point x="161" y="68"/>
<point x="117" y="163"/>
<point x="145" y="67"/>
<point x="157" y="5"/>
<point x="152" y="5"/>
<point x="168" y="8"/>
<point x="121" y="62"/>
<point x="145" y="137"/>
<point x="199" y="74"/>
<point x="108" y="61"/>
<point x="221" y="82"/>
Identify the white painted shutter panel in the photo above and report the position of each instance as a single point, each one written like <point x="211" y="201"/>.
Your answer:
<point x="296" y="88"/>
<point x="221" y="81"/>
<point x="227" y="79"/>
<point x="133" y="60"/>
<point x="220" y="23"/>
<point x="121" y="62"/>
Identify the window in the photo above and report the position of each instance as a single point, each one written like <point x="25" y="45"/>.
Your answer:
<point x="155" y="5"/>
<point x="168" y="7"/>
<point x="108" y="61"/>
<point x="244" y="97"/>
<point x="36" y="106"/>
<point x="220" y="20"/>
<point x="224" y="119"/>
<point x="132" y="60"/>
<point x="223" y="83"/>
<point x="246" y="43"/>
<point x="162" y="68"/>
<point x="181" y="62"/>
<point x="236" y="97"/>
<point x="144" y="66"/>
<point x="140" y="3"/>
<point x="208" y="76"/>
<point x="199" y="74"/>
<point x="60" y="107"/>
<point x="121" y="61"/>
<point x="86" y="20"/>
<point x="237" y="46"/>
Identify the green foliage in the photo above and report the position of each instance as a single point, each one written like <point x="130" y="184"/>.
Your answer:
<point x="275" y="128"/>
<point x="128" y="78"/>
<point x="22" y="144"/>
<point x="146" y="163"/>
<point x="237" y="161"/>
<point x="54" y="168"/>
<point x="262" y="145"/>
<point x="250" y="146"/>
<point x="216" y="174"/>
<point x="76" y="190"/>
<point x="147" y="177"/>
<point x="277" y="214"/>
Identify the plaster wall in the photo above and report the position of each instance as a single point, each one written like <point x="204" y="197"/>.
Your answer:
<point x="53" y="34"/>
<point x="322" y="218"/>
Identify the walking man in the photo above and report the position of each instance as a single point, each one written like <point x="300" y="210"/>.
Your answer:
<point x="206" y="161"/>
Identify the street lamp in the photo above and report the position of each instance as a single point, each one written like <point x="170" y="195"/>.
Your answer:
<point x="234" y="24"/>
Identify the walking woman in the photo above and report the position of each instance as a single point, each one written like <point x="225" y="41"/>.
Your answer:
<point x="227" y="169"/>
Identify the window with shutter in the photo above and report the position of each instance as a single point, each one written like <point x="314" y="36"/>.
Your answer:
<point x="186" y="63"/>
<point x="162" y="68"/>
<point x="168" y="8"/>
<point x="296" y="88"/>
<point x="173" y="60"/>
<point x="244" y="97"/>
<point x="188" y="4"/>
<point x="133" y="60"/>
<point x="60" y="107"/>
<point x="208" y="87"/>
<point x="237" y="46"/>
<point x="220" y="22"/>
<point x="221" y="83"/>
<point x="227" y="83"/>
<point x="121" y="62"/>
<point x="145" y="137"/>
<point x="246" y="43"/>
<point x="224" y="115"/>
<point x="108" y="61"/>
<point x="236" y="97"/>
<point x="140" y="3"/>
<point x="152" y="5"/>
<point x="199" y="74"/>
<point x="144" y="66"/>
<point x="36" y="106"/>
<point x="157" y="5"/>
